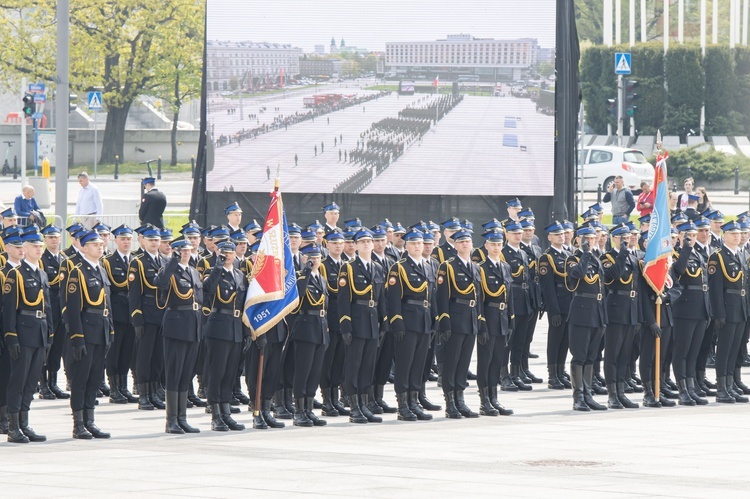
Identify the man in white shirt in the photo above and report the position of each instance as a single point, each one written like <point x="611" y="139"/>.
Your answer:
<point x="89" y="202"/>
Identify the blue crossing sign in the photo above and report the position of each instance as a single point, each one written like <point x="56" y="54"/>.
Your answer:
<point x="95" y="101"/>
<point x="622" y="63"/>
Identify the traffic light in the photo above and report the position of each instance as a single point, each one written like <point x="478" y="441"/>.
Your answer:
<point x="72" y="106"/>
<point x="631" y="97"/>
<point x="612" y="107"/>
<point x="28" y="105"/>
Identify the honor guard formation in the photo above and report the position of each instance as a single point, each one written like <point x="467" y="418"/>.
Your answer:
<point x="377" y="306"/>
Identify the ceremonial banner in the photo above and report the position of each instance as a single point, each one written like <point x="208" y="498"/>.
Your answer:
<point x="272" y="292"/>
<point x="656" y="262"/>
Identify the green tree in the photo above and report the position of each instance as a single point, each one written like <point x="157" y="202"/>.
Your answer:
<point x="117" y="44"/>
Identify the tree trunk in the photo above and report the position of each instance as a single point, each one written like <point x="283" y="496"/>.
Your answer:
<point x="175" y="115"/>
<point x="114" y="134"/>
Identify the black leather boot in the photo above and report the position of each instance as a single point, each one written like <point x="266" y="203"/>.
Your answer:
<point x="690" y="382"/>
<point x="259" y="422"/>
<point x="309" y="405"/>
<point x="194" y="399"/>
<point x="364" y="406"/>
<point x="497" y="405"/>
<point x="563" y="376"/>
<point x="115" y="397"/>
<point x="588" y="394"/>
<point x="515" y="378"/>
<point x="734" y="391"/>
<point x="15" y="435"/>
<point x="103" y="386"/>
<point x="722" y="395"/>
<point x="172" y="409"/>
<point x="289" y="400"/>
<point x="88" y="422"/>
<point x="379" y="390"/>
<point x="485" y="406"/>
<point x="144" y="402"/>
<point x="414" y="407"/>
<point x="404" y="412"/>
<point x="328" y="409"/>
<point x="355" y="414"/>
<point x="451" y="412"/>
<point x="268" y="417"/>
<point x="684" y="396"/>
<point x="462" y="407"/>
<point x="182" y="405"/>
<point x="613" y="402"/>
<point x="576" y="378"/>
<point x="649" y="399"/>
<point x="79" y="429"/>
<point x="238" y="394"/>
<point x="372" y="404"/>
<point x="700" y="379"/>
<point x="506" y="384"/>
<point x="56" y="389"/>
<point x="122" y="386"/>
<point x="23" y="423"/>
<point x="668" y="392"/>
<point x="744" y="389"/>
<point x="279" y="409"/>
<point x="665" y="402"/>
<point x="300" y="415"/>
<point x="4" y="423"/>
<point x="343" y="411"/>
<point x="425" y="402"/>
<point x="153" y="396"/>
<point x="226" y="415"/>
<point x="44" y="392"/>
<point x="553" y="383"/>
<point x="624" y="400"/>
<point x="217" y="422"/>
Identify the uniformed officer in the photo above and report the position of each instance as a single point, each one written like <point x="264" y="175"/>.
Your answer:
<point x="253" y="231"/>
<point x="513" y="206"/>
<point x="384" y="361"/>
<point x="430" y="368"/>
<point x="10" y="218"/>
<point x="180" y="293"/>
<point x="146" y="318"/>
<point x="727" y="287"/>
<point x="90" y="326"/>
<point x="224" y="335"/>
<point x="498" y="312"/>
<point x="447" y="250"/>
<point x="191" y="231"/>
<point x="530" y="244"/>
<point x="234" y="216"/>
<point x="621" y="278"/>
<point x="363" y="318"/>
<point x="51" y="264"/>
<point x="332" y="371"/>
<point x="165" y="245"/>
<point x="310" y="337"/>
<point x="14" y="251"/>
<point x="703" y="248"/>
<point x="460" y="319"/>
<point x="153" y="203"/>
<point x="716" y="218"/>
<point x="27" y="334"/>
<point x="411" y="307"/>
<point x="120" y="353"/>
<point x="331" y="212"/>
<point x="586" y="319"/>
<point x="556" y="303"/>
<point x="523" y="303"/>
<point x="480" y="254"/>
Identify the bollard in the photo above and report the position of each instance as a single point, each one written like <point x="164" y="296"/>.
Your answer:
<point x="599" y="193"/>
<point x="158" y="168"/>
<point x="15" y="167"/>
<point x="117" y="166"/>
<point x="192" y="166"/>
<point x="736" y="180"/>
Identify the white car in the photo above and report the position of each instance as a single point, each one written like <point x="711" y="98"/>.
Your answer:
<point x="599" y="165"/>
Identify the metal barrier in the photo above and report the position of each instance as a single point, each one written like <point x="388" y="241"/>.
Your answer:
<point x="171" y="220"/>
<point x="55" y="220"/>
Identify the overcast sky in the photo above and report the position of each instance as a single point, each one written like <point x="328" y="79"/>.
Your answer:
<point x="371" y="23"/>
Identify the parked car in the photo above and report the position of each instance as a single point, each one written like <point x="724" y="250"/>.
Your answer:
<point x="599" y="165"/>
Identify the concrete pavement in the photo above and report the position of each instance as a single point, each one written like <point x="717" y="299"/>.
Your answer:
<point x="544" y="450"/>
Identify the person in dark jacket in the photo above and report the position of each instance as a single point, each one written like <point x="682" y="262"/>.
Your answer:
<point x="153" y="204"/>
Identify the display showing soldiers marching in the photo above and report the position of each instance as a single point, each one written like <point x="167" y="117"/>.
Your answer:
<point x="383" y="312"/>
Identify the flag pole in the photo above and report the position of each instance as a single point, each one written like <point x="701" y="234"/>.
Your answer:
<point x="262" y="356"/>
<point x="657" y="351"/>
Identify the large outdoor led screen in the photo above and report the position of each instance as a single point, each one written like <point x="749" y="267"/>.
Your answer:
<point x="381" y="97"/>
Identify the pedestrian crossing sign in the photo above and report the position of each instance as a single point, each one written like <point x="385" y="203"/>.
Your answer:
<point x="622" y="63"/>
<point x="95" y="101"/>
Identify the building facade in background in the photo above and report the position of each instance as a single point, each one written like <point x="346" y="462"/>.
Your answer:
<point x="248" y="64"/>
